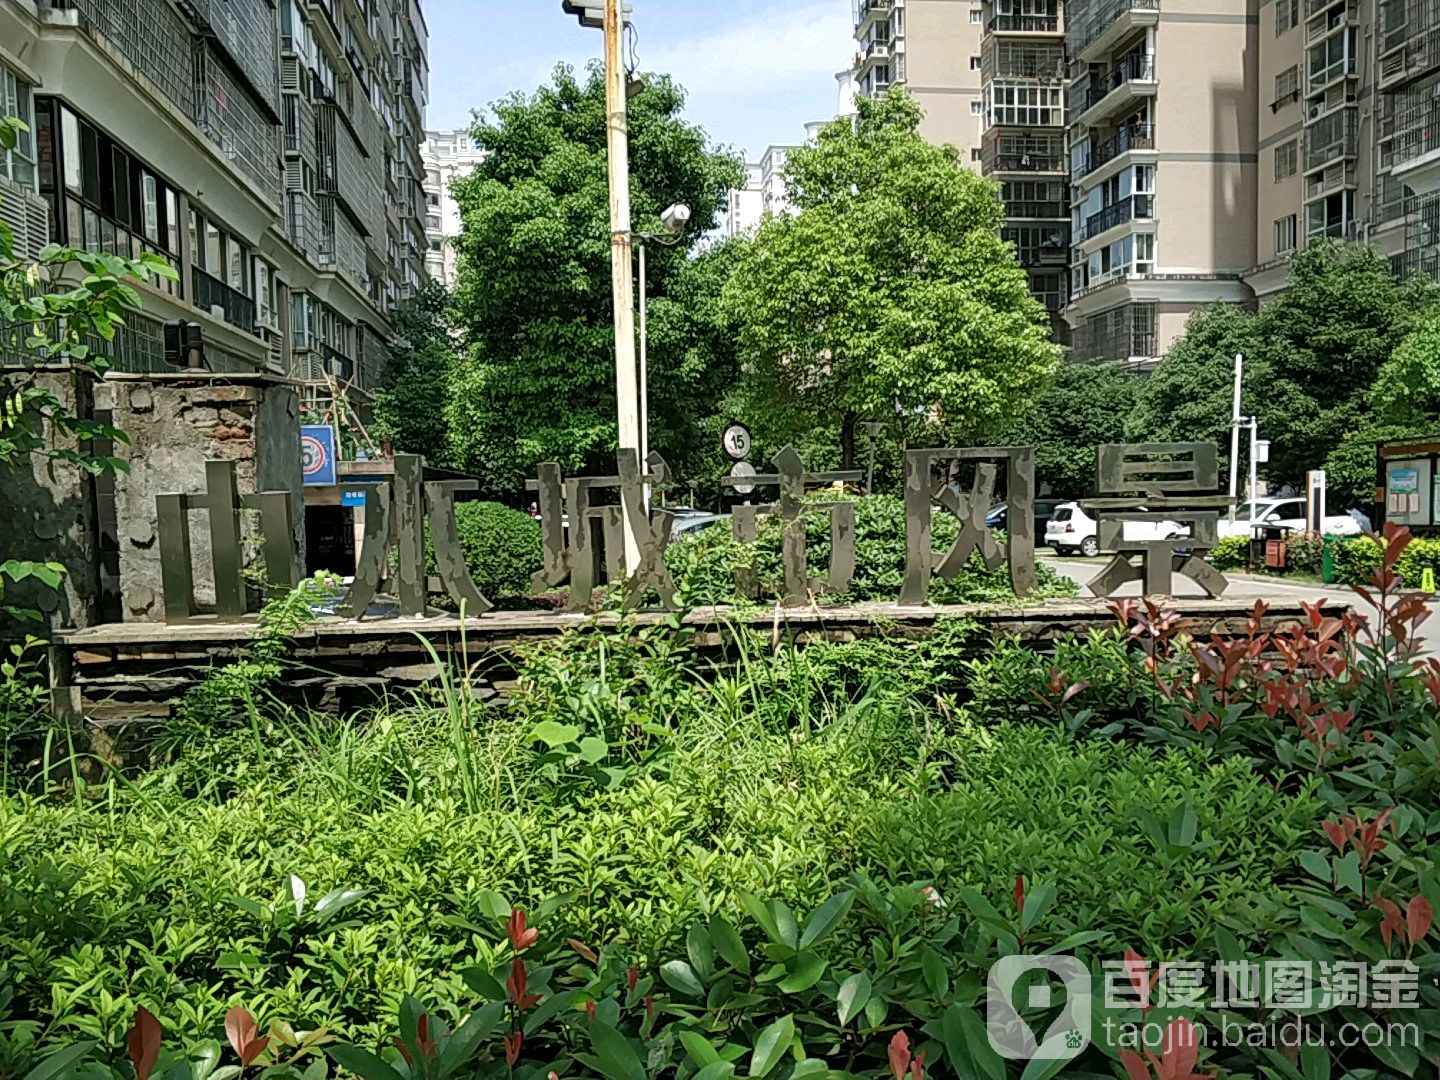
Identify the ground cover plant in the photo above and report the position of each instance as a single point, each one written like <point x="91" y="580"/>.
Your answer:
<point x="798" y="861"/>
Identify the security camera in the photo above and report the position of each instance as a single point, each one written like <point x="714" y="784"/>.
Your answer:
<point x="675" y="218"/>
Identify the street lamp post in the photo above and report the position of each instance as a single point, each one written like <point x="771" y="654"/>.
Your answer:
<point x="675" y="218"/>
<point x="610" y="14"/>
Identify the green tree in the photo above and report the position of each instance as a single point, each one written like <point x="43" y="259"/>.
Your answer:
<point x="1407" y="390"/>
<point x="59" y="309"/>
<point x="1189" y="395"/>
<point x="1085" y="405"/>
<point x="537" y="378"/>
<point x="889" y="292"/>
<point x="411" y="409"/>
<point x="1350" y="468"/>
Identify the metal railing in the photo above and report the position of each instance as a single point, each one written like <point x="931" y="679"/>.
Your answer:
<point x="1027" y="208"/>
<point x="1133" y="68"/>
<point x="1008" y="162"/>
<point x="1130" y="137"/>
<point x="1025" y="24"/>
<point x="1127" y="209"/>
<point x="211" y="292"/>
<point x="1088" y="26"/>
<point x="1417" y="132"/>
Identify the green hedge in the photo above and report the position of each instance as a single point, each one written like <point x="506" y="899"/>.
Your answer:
<point x="1356" y="560"/>
<point x="502" y="547"/>
<point x="703" y="565"/>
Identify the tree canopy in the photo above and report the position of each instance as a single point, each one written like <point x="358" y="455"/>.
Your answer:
<point x="1086" y="404"/>
<point x="888" y="295"/>
<point x="410" y="408"/>
<point x="537" y="378"/>
<point x="1312" y="357"/>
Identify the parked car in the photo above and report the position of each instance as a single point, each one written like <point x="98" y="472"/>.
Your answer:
<point x="694" y="524"/>
<point x="1071" y="529"/>
<point x="997" y="518"/>
<point x="1285" y="513"/>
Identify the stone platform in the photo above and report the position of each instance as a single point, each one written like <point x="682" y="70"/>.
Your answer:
<point x="118" y="673"/>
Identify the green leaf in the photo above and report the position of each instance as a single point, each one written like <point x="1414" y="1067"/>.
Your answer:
<point x="617" y="1057"/>
<point x="699" y="1048"/>
<point x="553" y="733"/>
<point x="968" y="1046"/>
<point x="700" y="950"/>
<point x="726" y="940"/>
<point x="361" y="1063"/>
<point x="937" y="976"/>
<point x="335" y="901"/>
<point x="681" y="977"/>
<point x="491" y="903"/>
<point x="853" y="994"/>
<point x="1043" y="1068"/>
<point x="592" y="750"/>
<point x="1037" y="902"/>
<point x="1315" y="1062"/>
<point x="483" y="983"/>
<point x="716" y="1070"/>
<point x="761" y="914"/>
<point x="1183" y="823"/>
<point x="60" y="1062"/>
<point x="771" y="1044"/>
<point x="805" y="971"/>
<point x="824" y="919"/>
<point x="785" y="927"/>
<point x="1317" y="865"/>
<point x="465" y="1041"/>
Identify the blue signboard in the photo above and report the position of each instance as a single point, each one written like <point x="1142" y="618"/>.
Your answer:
<point x="317" y="453"/>
<point x="352" y="498"/>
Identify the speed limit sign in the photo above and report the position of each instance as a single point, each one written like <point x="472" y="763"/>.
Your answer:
<point x="736" y="441"/>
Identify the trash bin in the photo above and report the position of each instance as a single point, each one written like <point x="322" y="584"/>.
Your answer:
<point x="1269" y="548"/>
<point x="1328" y="571"/>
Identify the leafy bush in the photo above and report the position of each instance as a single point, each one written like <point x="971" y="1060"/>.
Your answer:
<point x="703" y="564"/>
<point x="1357" y="560"/>
<point x="1231" y="553"/>
<point x="502" y="547"/>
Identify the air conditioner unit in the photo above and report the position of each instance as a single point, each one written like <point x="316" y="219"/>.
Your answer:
<point x="28" y="216"/>
<point x="1316" y="110"/>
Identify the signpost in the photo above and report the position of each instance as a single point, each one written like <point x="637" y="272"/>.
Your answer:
<point x="742" y="469"/>
<point x="317" y="453"/>
<point x="736" y="441"/>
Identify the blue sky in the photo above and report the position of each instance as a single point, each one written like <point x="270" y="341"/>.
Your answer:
<point x="756" y="70"/>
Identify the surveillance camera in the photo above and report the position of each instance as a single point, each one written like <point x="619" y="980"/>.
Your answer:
<point x="676" y="217"/>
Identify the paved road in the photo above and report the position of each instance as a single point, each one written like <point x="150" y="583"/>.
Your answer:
<point x="1248" y="587"/>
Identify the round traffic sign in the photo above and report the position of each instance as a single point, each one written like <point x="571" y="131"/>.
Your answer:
<point x="736" y="441"/>
<point x="312" y="455"/>
<point x="742" y="468"/>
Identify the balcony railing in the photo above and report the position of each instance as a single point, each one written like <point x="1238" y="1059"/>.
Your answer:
<point x="1041" y="163"/>
<point x="1417" y="133"/>
<point x="1338" y="145"/>
<point x="1022" y="60"/>
<point x="211" y="292"/>
<point x="1025" y="24"/>
<point x="1024" y="208"/>
<point x="336" y="362"/>
<point x="1127" y="209"/>
<point x="1130" y="137"/>
<point x="877" y="46"/>
<point x="1416" y="261"/>
<point x="1086" y="28"/>
<point x="1132" y="69"/>
<point x="864" y="9"/>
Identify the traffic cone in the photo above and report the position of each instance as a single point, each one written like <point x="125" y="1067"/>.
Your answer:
<point x="1427" y="580"/>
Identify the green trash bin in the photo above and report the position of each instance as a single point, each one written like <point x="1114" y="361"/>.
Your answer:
<point x="1329" y="545"/>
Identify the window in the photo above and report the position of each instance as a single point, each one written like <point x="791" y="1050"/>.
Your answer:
<point x="264" y="293"/>
<point x="977" y="108"/>
<point x="975" y="153"/>
<point x="976" y="15"/>
<point x="1287" y="159"/>
<point x="1287" y="88"/>
<point x="1287" y="14"/>
<point x="1285" y="234"/>
<point x="1025" y="103"/>
<point x="1144" y="253"/>
<point x="18" y="164"/>
<point x="974" y="63"/>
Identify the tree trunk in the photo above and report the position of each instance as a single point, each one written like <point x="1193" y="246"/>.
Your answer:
<point x="847" y="440"/>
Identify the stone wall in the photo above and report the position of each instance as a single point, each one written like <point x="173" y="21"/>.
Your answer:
<point x="175" y="424"/>
<point x="47" y="514"/>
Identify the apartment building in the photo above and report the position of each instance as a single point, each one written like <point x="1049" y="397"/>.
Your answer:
<point x="990" y="75"/>
<point x="445" y="155"/>
<point x="269" y="151"/>
<point x="1408" y="80"/>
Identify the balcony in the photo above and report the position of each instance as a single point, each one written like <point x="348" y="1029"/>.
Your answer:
<point x="877" y="50"/>
<point x="1419" y="57"/>
<point x="1133" y="77"/>
<point x="1413" y="152"/>
<point x="1024" y="24"/>
<point x="1130" y="137"/>
<point x="1331" y="138"/>
<point x="336" y="362"/>
<point x="211" y="293"/>
<point x="1045" y="210"/>
<point x="1130" y="208"/>
<point x="866" y="9"/>
<point x="1006" y="59"/>
<point x="1107" y="23"/>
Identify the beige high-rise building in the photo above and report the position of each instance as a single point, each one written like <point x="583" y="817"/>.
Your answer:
<point x="1408" y="78"/>
<point x="933" y="48"/>
<point x="447" y="156"/>
<point x="990" y="75"/>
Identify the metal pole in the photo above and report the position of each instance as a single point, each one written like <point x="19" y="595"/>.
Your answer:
<point x="644" y="371"/>
<point x="1254" y="479"/>
<point x="870" y="470"/>
<point x="622" y="268"/>
<point x="1235" y="435"/>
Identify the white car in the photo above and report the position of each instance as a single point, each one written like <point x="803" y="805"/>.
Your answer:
<point x="1288" y="513"/>
<point x="1071" y="529"/>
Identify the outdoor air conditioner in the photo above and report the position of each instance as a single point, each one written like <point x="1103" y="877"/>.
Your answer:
<point x="28" y="216"/>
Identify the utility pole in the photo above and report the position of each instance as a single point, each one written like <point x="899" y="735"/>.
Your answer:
<point x="622" y="268"/>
